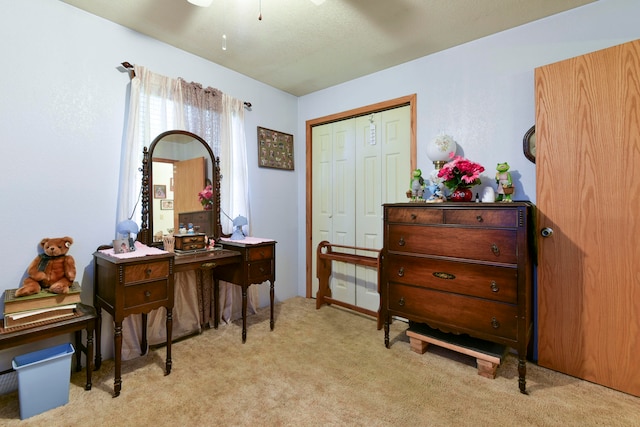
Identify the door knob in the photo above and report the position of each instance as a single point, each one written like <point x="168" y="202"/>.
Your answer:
<point x="546" y="232"/>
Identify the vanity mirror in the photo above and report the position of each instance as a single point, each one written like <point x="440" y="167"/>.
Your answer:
<point x="176" y="167"/>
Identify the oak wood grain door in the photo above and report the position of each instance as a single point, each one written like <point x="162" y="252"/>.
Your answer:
<point x="588" y="194"/>
<point x="188" y="180"/>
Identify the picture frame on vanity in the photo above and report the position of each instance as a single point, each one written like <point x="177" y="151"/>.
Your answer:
<point x="529" y="144"/>
<point x="275" y="149"/>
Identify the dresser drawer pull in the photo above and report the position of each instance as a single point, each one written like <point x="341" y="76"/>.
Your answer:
<point x="262" y="270"/>
<point x="401" y="272"/>
<point x="147" y="294"/>
<point x="414" y="217"/>
<point x="148" y="271"/>
<point x="206" y="265"/>
<point x="401" y="302"/>
<point x="495" y="249"/>
<point x="401" y="242"/>
<point x="494" y="286"/>
<point x="494" y="323"/>
<point x="479" y="218"/>
<point x="443" y="275"/>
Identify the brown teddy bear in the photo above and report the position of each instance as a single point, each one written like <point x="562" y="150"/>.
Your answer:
<point x="53" y="269"/>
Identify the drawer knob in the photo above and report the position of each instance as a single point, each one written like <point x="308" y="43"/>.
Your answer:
<point x="494" y="286"/>
<point x="414" y="217"/>
<point x="479" y="218"/>
<point x="495" y="249"/>
<point x="401" y="242"/>
<point x="147" y="294"/>
<point x="261" y="269"/>
<point x="401" y="272"/>
<point x="148" y="272"/>
<point x="401" y="302"/>
<point x="494" y="323"/>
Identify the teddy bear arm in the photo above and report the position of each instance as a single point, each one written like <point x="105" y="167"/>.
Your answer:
<point x="70" y="268"/>
<point x="33" y="271"/>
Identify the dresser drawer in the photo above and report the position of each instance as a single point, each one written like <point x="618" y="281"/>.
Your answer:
<point x="482" y="217"/>
<point x="260" y="253"/>
<point x="259" y="271"/>
<point x="145" y="293"/>
<point x="146" y="271"/>
<point x="415" y="215"/>
<point x="459" y="312"/>
<point x="493" y="245"/>
<point x="483" y="281"/>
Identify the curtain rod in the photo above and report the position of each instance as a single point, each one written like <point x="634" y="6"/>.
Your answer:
<point x="132" y="74"/>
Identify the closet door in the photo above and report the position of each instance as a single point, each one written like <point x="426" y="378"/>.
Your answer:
<point x="588" y="155"/>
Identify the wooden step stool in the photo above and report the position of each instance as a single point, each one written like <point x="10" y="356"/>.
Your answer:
<point x="488" y="355"/>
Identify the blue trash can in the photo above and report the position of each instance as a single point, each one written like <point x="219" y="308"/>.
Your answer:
<point x="43" y="379"/>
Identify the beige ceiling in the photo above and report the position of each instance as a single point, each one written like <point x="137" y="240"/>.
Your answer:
<point x="300" y="47"/>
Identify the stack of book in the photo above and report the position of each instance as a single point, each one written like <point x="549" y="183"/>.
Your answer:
<point x="25" y="311"/>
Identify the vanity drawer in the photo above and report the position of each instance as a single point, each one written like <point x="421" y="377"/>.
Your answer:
<point x="189" y="242"/>
<point x="260" y="253"/>
<point x="415" y="215"/>
<point x="481" y="217"/>
<point x="259" y="271"/>
<point x="146" y="271"/>
<point x="483" y="281"/>
<point x="493" y="245"/>
<point x="145" y="293"/>
<point x="459" y="312"/>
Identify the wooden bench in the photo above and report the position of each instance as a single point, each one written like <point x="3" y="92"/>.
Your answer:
<point x="488" y="355"/>
<point x="325" y="256"/>
<point x="85" y="318"/>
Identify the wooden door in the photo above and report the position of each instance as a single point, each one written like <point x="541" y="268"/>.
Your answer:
<point x="188" y="181"/>
<point x="588" y="193"/>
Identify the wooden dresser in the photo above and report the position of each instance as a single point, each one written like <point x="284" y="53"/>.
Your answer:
<point x="464" y="268"/>
<point x="124" y="286"/>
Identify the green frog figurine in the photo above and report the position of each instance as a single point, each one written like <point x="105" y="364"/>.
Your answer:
<point x="505" y="184"/>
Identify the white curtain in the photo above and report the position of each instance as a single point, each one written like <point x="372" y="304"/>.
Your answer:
<point x="158" y="104"/>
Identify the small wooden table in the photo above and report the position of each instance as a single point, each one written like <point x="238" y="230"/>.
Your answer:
<point x="84" y="319"/>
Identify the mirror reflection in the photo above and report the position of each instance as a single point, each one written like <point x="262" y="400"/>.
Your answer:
<point x="181" y="167"/>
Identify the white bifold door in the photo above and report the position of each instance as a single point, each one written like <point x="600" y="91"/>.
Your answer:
<point x="358" y="165"/>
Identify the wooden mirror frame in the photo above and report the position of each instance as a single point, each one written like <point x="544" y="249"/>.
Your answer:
<point x="529" y="144"/>
<point x="145" y="235"/>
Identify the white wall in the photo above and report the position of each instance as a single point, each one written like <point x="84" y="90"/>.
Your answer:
<point x="481" y="93"/>
<point x="62" y="114"/>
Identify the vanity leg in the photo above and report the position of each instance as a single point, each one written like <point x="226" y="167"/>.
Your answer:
<point x="216" y="302"/>
<point x="98" y="361"/>
<point x="271" y="295"/>
<point x="89" y="357"/>
<point x="143" y="344"/>
<point x="117" y="343"/>
<point x="244" y="314"/>
<point x="169" y="330"/>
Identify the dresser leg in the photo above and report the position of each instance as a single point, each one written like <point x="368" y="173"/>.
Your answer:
<point x="89" y="357"/>
<point x="143" y="344"/>
<point x="522" y="373"/>
<point x="244" y="314"/>
<point x="98" y="347"/>
<point x="386" y="332"/>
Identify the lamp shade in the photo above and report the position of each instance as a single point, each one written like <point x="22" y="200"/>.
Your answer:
<point x="127" y="227"/>
<point x="201" y="3"/>
<point x="438" y="150"/>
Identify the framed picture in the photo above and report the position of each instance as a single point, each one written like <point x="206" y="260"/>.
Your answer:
<point x="166" y="205"/>
<point x="529" y="144"/>
<point x="123" y="246"/>
<point x="275" y="149"/>
<point x="159" y="191"/>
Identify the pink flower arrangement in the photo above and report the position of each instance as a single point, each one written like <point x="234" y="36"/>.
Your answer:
<point x="206" y="196"/>
<point x="460" y="173"/>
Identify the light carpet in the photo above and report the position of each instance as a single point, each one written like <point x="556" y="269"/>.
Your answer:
<point x="326" y="367"/>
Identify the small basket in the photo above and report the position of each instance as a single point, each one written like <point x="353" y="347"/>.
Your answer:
<point x="508" y="190"/>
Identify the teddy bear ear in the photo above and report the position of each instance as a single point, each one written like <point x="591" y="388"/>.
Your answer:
<point x="44" y="241"/>
<point x="68" y="241"/>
